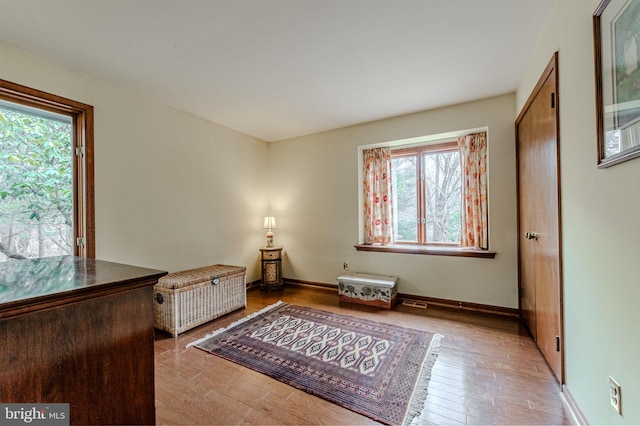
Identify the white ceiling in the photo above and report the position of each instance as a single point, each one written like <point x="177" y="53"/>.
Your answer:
<point x="276" y="69"/>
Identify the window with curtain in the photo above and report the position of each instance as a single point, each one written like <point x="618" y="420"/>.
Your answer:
<point x="437" y="193"/>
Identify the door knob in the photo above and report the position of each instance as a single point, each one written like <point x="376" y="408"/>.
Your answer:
<point x="531" y="235"/>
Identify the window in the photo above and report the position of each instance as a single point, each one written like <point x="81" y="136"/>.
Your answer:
<point x="436" y="201"/>
<point x="46" y="175"/>
<point x="427" y="194"/>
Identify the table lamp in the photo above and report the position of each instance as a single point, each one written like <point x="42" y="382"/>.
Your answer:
<point x="269" y="225"/>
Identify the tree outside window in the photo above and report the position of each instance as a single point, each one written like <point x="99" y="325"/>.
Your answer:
<point x="36" y="184"/>
<point x="427" y="194"/>
<point x="46" y="175"/>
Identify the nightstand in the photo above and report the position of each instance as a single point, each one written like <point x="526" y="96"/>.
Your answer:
<point x="271" y="258"/>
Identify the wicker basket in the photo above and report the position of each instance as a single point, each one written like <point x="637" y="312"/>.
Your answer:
<point x="186" y="299"/>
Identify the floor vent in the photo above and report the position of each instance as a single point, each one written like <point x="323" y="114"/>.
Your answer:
<point x="414" y="303"/>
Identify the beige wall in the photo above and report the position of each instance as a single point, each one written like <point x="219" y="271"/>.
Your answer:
<point x="314" y="196"/>
<point x="172" y="191"/>
<point x="600" y="229"/>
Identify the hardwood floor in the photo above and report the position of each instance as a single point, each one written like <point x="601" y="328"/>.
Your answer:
<point x="489" y="371"/>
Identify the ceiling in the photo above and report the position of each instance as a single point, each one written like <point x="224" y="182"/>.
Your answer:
<point x="276" y="69"/>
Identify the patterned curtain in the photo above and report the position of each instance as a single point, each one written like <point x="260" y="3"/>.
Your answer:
<point x="475" y="216"/>
<point x="378" y="206"/>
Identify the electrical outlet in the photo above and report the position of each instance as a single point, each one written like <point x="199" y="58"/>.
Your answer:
<point x="615" y="397"/>
<point x="345" y="265"/>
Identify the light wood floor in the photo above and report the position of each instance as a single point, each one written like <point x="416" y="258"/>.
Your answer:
<point x="489" y="371"/>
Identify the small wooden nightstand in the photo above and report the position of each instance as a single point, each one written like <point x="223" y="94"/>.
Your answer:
<point x="271" y="258"/>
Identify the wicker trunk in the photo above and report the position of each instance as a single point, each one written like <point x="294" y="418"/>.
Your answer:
<point x="187" y="299"/>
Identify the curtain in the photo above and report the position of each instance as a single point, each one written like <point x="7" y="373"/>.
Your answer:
<point x="475" y="215"/>
<point x="378" y="206"/>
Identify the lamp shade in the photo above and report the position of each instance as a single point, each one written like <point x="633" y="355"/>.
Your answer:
<point x="269" y="222"/>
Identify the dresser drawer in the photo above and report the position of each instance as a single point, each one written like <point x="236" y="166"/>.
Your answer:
<point x="270" y="254"/>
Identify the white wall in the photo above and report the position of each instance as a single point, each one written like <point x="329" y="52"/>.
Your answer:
<point x="315" y="200"/>
<point x="173" y="191"/>
<point x="600" y="228"/>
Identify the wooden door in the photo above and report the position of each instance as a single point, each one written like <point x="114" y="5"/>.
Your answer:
<point x="539" y="218"/>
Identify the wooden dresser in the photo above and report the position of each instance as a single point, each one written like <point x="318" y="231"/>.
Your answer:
<point x="79" y="331"/>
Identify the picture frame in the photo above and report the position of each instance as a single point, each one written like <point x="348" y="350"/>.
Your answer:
<point x="616" y="34"/>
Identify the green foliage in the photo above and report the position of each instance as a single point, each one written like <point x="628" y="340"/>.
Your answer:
<point x="406" y="201"/>
<point x="36" y="173"/>
<point x="629" y="88"/>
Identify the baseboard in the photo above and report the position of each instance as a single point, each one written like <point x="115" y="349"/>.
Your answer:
<point x="253" y="284"/>
<point x="256" y="283"/>
<point x="311" y="283"/>
<point x="452" y="304"/>
<point x="576" y="414"/>
<point x="465" y="306"/>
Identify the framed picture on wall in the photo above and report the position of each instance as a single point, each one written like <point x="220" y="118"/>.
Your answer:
<point x="616" y="34"/>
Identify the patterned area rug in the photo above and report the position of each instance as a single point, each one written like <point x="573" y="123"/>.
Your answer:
<point x="375" y="369"/>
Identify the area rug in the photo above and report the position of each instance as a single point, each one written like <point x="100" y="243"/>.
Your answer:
<point x="378" y="370"/>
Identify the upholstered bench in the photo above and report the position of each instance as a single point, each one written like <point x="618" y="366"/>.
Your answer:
<point x="368" y="289"/>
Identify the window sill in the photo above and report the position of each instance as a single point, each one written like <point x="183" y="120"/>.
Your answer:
<point x="429" y="250"/>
